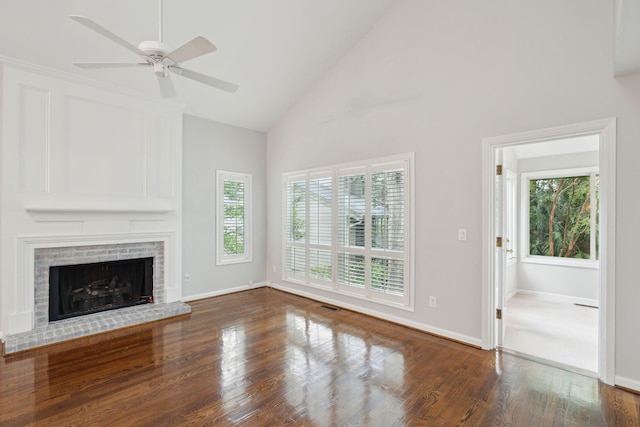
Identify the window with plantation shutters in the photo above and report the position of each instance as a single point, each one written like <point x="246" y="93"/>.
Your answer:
<point x="233" y="218"/>
<point x="347" y="229"/>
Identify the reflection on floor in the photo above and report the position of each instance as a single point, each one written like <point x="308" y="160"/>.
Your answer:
<point x="558" y="331"/>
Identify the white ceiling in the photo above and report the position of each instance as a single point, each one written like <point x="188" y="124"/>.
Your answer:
<point x="273" y="49"/>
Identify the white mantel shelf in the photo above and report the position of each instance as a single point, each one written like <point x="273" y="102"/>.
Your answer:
<point x="47" y="214"/>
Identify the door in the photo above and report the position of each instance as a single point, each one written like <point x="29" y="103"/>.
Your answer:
<point x="499" y="254"/>
<point x="493" y="279"/>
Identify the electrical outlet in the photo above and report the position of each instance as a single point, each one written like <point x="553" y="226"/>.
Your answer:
<point x="187" y="277"/>
<point x="250" y="283"/>
<point x="433" y="303"/>
<point x="275" y="269"/>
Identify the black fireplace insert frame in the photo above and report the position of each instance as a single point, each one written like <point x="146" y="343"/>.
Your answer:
<point x="142" y="294"/>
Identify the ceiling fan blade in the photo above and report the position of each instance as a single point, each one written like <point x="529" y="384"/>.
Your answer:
<point x="208" y="80"/>
<point x="167" y="90"/>
<point x="192" y="49"/>
<point x="91" y="65"/>
<point x="106" y="33"/>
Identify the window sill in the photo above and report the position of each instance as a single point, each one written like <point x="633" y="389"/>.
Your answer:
<point x="329" y="288"/>
<point x="232" y="261"/>
<point x="562" y="262"/>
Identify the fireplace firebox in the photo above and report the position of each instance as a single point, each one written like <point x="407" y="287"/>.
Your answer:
<point x="76" y="290"/>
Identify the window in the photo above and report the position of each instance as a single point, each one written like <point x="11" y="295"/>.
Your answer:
<point x="233" y="243"/>
<point x="347" y="229"/>
<point x="562" y="215"/>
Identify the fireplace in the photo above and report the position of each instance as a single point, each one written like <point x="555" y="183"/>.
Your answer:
<point x="95" y="295"/>
<point x="76" y="290"/>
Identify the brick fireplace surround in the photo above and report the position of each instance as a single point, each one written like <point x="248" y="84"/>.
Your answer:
<point x="45" y="333"/>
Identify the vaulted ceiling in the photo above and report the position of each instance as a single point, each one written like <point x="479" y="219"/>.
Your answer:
<point x="273" y="49"/>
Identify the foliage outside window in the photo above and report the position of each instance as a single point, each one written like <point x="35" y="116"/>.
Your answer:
<point x="233" y="217"/>
<point x="346" y="229"/>
<point x="563" y="216"/>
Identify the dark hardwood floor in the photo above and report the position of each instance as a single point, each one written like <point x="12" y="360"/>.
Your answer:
<point x="264" y="357"/>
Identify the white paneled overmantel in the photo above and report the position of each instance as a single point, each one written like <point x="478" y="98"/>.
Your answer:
<point x="80" y="161"/>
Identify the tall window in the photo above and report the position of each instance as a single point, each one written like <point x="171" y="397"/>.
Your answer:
<point x="563" y="215"/>
<point x="348" y="229"/>
<point x="233" y="243"/>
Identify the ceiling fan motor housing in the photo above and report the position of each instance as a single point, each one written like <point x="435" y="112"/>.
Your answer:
<point x="154" y="49"/>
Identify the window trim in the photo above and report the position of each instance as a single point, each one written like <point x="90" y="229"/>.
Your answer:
<point x="525" y="256"/>
<point x="246" y="256"/>
<point x="407" y="301"/>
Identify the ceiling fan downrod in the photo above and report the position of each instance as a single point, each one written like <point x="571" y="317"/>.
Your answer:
<point x="160" y="21"/>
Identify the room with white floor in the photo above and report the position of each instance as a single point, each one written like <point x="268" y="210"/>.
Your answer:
<point x="553" y="329"/>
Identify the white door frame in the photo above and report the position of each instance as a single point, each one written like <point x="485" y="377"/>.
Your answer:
<point x="606" y="129"/>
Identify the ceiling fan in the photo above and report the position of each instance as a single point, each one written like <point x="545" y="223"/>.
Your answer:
<point x="157" y="54"/>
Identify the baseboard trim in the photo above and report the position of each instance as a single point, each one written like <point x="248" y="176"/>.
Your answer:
<point x="223" y="292"/>
<point x="464" y="339"/>
<point x="627" y="384"/>
<point x="564" y="298"/>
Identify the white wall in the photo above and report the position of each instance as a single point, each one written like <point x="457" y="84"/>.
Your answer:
<point x="435" y="78"/>
<point x="578" y="282"/>
<point x="79" y="160"/>
<point x="209" y="146"/>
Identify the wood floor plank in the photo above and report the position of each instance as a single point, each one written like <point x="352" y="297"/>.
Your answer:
<point x="265" y="357"/>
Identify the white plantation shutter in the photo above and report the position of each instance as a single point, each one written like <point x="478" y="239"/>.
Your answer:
<point x="388" y="230"/>
<point x="320" y="221"/>
<point x="387" y="276"/>
<point x="352" y="225"/>
<point x="351" y="270"/>
<point x="233" y="216"/>
<point x="296" y="226"/>
<point x="320" y="213"/>
<point x="348" y="229"/>
<point x="233" y="243"/>
<point x="387" y="210"/>
<point x="320" y="264"/>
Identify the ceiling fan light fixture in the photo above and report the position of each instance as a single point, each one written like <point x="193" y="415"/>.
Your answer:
<point x="160" y="69"/>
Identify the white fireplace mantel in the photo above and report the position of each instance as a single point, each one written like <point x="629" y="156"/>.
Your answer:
<point x="53" y="214"/>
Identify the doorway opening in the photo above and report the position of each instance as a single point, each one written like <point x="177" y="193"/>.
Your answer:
<point x="548" y="233"/>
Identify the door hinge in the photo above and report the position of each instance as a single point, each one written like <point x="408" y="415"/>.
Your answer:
<point x="498" y="314"/>
<point x="498" y="170"/>
<point x="498" y="242"/>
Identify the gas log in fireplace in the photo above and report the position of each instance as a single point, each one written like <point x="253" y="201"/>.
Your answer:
<point x="76" y="290"/>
